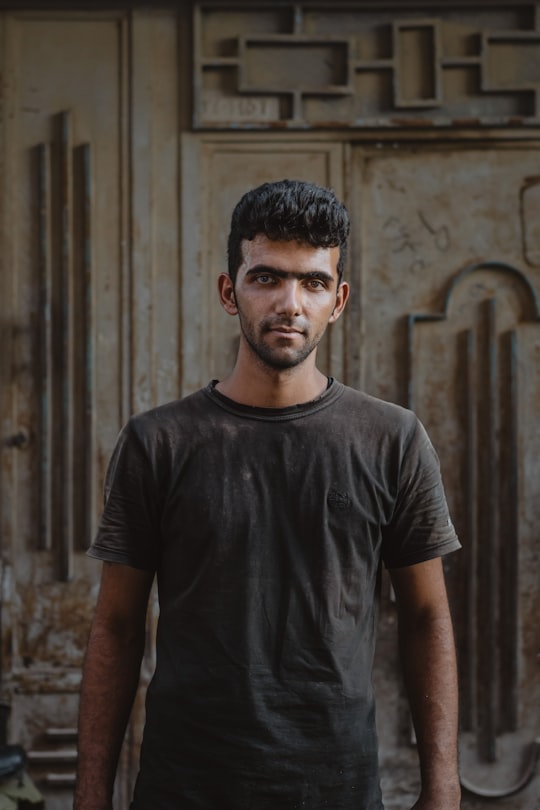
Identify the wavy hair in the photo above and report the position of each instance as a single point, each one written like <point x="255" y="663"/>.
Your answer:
<point x="289" y="210"/>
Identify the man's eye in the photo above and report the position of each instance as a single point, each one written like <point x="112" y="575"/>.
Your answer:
<point x="264" y="279"/>
<point x="315" y="283"/>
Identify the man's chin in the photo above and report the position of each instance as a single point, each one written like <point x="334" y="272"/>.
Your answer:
<point x="281" y="355"/>
<point x="282" y="360"/>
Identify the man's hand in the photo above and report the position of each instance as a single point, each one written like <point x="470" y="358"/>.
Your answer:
<point x="447" y="799"/>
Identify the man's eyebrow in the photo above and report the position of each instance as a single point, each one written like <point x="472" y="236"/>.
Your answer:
<point x="298" y="274"/>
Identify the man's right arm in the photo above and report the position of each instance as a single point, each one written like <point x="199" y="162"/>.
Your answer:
<point x="110" y="679"/>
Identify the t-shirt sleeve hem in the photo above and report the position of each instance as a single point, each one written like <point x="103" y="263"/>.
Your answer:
<point x="108" y="555"/>
<point x="441" y="550"/>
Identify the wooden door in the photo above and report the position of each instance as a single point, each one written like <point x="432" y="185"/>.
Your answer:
<point x="88" y="307"/>
<point x="102" y="314"/>
<point x="444" y="318"/>
<point x="447" y="273"/>
<point x="63" y="364"/>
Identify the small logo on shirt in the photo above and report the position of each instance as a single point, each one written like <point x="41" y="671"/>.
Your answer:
<point x="338" y="500"/>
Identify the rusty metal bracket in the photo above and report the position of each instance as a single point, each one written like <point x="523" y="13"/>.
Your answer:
<point x="522" y="782"/>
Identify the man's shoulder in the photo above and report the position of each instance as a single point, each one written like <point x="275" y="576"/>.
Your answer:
<point x="170" y="416"/>
<point x="372" y="410"/>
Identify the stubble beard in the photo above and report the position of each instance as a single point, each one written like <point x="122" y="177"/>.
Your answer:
<point x="276" y="358"/>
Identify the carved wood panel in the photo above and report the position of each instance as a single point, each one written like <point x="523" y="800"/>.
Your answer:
<point x="302" y="65"/>
<point x="449" y="303"/>
<point x="61" y="246"/>
<point x="216" y="174"/>
<point x="89" y="318"/>
<point x="64" y="203"/>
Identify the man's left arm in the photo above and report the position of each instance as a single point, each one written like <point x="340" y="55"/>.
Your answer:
<point x="427" y="650"/>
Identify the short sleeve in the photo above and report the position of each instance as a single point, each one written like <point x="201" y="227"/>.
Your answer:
<point x="129" y="531"/>
<point x="420" y="528"/>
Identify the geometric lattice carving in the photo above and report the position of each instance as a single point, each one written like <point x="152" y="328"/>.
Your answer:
<point x="64" y="269"/>
<point x="297" y="65"/>
<point x="480" y="340"/>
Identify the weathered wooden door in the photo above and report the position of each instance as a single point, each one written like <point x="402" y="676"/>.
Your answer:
<point x="88" y="301"/>
<point x="447" y="268"/>
<point x="62" y="363"/>
<point x="444" y="317"/>
<point x="101" y="313"/>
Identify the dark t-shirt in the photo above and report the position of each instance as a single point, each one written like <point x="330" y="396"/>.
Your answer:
<point x="267" y="528"/>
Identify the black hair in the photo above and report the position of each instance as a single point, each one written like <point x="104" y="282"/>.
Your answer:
<point x="289" y="210"/>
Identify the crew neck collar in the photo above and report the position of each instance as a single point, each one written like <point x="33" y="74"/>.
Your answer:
<point x="331" y="393"/>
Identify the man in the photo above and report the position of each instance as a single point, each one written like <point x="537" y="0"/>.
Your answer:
<point x="265" y="503"/>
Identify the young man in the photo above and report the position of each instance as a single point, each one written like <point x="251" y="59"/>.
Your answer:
<point x="266" y="503"/>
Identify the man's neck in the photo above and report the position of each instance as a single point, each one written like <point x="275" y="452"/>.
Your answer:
<point x="273" y="388"/>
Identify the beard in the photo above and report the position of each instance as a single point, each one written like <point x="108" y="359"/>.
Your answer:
<point x="283" y="353"/>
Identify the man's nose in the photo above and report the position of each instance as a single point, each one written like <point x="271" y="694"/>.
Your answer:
<point x="289" y="297"/>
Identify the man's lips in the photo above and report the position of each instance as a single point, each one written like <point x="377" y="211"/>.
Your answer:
<point x="284" y="332"/>
<point x="284" y="329"/>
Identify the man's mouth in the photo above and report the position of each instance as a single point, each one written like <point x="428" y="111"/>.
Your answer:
<point x="284" y="329"/>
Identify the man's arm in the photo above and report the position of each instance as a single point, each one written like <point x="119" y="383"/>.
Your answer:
<point x="428" y="658"/>
<point x="110" y="678"/>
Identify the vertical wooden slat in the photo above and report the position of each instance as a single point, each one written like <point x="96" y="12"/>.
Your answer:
<point x="508" y="630"/>
<point x="513" y="561"/>
<point x="66" y="363"/>
<point x="82" y="348"/>
<point x="46" y="359"/>
<point x="87" y="500"/>
<point x="410" y="358"/>
<point x="469" y="697"/>
<point x="197" y="65"/>
<point x="489" y="688"/>
<point x="56" y="370"/>
<point x="126" y="186"/>
<point x="77" y="339"/>
<point x="66" y="432"/>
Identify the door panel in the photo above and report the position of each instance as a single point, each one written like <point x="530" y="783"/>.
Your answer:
<point x="89" y="306"/>
<point x="448" y="288"/>
<point x="216" y="174"/>
<point x="62" y="161"/>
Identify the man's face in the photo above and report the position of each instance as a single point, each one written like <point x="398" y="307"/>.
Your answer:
<point x="285" y="294"/>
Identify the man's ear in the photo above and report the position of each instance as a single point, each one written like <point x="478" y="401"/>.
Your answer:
<point x="227" y="298"/>
<point x="341" y="300"/>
